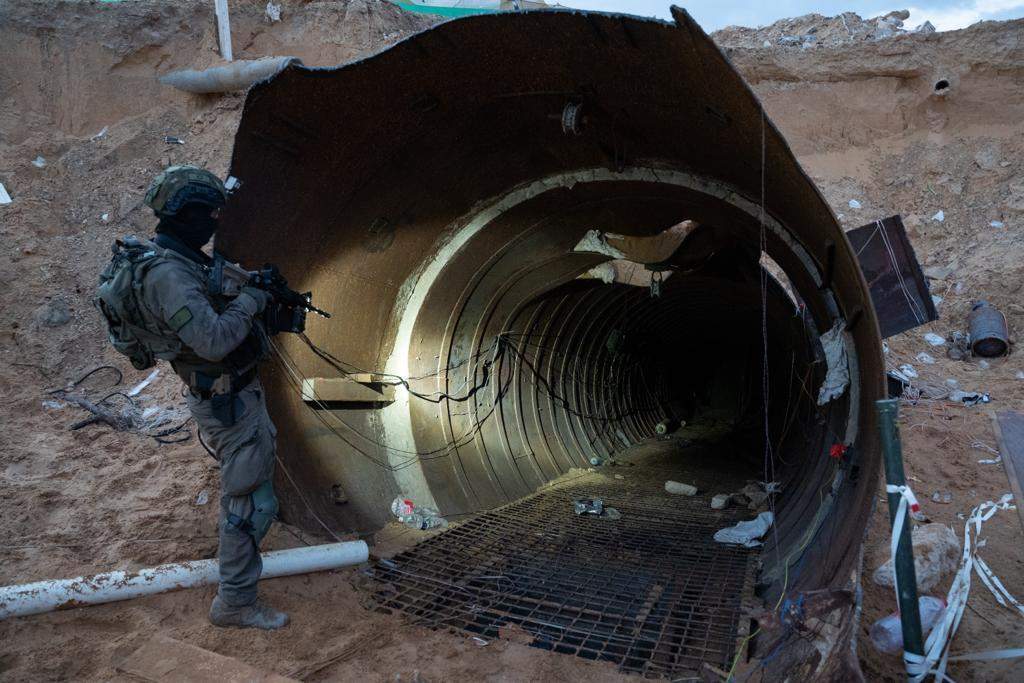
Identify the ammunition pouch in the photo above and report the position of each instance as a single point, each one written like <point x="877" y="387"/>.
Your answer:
<point x="220" y="389"/>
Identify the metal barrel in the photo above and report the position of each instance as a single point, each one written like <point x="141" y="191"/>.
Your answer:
<point x="990" y="336"/>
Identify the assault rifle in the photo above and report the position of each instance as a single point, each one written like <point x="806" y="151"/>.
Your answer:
<point x="287" y="310"/>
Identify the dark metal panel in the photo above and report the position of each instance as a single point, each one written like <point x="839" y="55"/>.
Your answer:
<point x="1009" y="427"/>
<point x="899" y="290"/>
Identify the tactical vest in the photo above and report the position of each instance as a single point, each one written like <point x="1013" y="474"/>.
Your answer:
<point x="142" y="336"/>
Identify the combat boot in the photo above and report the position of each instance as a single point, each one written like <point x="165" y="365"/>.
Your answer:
<point x="256" y="615"/>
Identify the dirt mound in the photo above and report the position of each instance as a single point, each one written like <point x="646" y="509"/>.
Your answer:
<point x="83" y="128"/>
<point x="930" y="126"/>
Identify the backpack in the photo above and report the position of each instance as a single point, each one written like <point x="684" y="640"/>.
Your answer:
<point x="131" y="331"/>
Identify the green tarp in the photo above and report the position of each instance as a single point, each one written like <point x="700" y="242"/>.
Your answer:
<point x="444" y="11"/>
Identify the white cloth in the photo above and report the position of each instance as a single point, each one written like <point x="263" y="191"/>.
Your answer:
<point x="746" y="533"/>
<point x="838" y="376"/>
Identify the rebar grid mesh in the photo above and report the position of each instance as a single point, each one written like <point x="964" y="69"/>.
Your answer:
<point x="651" y="592"/>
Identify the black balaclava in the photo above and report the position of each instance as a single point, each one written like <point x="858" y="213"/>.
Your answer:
<point x="194" y="225"/>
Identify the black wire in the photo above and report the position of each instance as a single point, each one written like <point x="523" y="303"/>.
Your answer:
<point x="160" y="436"/>
<point x="184" y="437"/>
<point x="564" y="403"/>
<point x="199" y="434"/>
<point x="435" y="397"/>
<point x="120" y="375"/>
<point x="112" y="394"/>
<point x="120" y="378"/>
<point x="415" y="456"/>
<point x="497" y="348"/>
<point x="356" y="368"/>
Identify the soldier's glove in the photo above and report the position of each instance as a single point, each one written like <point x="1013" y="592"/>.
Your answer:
<point x="261" y="296"/>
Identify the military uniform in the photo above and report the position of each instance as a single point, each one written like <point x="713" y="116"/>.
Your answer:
<point x="217" y="359"/>
<point x="157" y="302"/>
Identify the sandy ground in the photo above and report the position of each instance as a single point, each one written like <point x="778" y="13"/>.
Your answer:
<point x="861" y="114"/>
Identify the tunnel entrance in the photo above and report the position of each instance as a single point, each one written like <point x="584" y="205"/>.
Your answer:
<point x="563" y="379"/>
<point x="475" y="228"/>
<point x="546" y="362"/>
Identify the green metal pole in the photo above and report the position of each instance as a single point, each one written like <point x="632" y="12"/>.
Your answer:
<point x="910" y="616"/>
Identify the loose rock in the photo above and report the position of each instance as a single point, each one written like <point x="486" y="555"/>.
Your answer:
<point x="53" y="314"/>
<point x="936" y="553"/>
<point x="681" y="489"/>
<point x="720" y="501"/>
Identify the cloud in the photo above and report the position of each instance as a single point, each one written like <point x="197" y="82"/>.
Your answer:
<point x="964" y="14"/>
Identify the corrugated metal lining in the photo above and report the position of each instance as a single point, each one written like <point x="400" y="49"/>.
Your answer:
<point x="355" y="179"/>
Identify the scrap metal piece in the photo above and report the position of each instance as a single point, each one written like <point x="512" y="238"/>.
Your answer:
<point x="898" y="286"/>
<point x="435" y="228"/>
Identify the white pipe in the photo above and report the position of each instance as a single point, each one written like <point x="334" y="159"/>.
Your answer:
<point x="55" y="594"/>
<point x="220" y="9"/>
<point x="237" y="75"/>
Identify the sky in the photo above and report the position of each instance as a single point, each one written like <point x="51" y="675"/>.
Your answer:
<point x="945" y="15"/>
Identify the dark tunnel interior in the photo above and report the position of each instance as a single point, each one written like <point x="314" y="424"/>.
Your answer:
<point x="561" y="367"/>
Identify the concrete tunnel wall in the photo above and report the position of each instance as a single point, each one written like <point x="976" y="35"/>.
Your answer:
<point x="430" y="198"/>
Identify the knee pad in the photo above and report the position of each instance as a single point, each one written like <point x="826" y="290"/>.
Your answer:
<point x="264" y="512"/>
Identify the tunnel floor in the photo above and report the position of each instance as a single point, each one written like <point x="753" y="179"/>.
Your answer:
<point x="651" y="591"/>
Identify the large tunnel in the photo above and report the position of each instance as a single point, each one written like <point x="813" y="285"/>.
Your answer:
<point x="562" y="229"/>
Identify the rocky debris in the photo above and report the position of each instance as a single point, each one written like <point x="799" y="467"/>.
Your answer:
<point x="936" y="553"/>
<point x="53" y="314"/>
<point x="720" y="501"/>
<point x="815" y="30"/>
<point x="680" y="489"/>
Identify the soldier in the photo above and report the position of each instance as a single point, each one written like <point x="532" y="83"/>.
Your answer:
<point x="156" y="301"/>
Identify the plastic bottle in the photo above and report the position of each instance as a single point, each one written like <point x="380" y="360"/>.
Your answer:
<point x="887" y="633"/>
<point x="416" y="517"/>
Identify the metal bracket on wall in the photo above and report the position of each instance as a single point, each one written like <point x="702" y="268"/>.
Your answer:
<point x="336" y="392"/>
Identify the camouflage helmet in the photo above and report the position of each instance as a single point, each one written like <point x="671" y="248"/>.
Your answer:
<point x="177" y="186"/>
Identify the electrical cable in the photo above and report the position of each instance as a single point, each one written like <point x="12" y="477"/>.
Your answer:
<point x="112" y="394"/>
<point x="499" y="345"/>
<point x="120" y="378"/>
<point x="199" y="434"/>
<point x="161" y="436"/>
<point x="295" y="376"/>
<point x="339" y="365"/>
<point x="769" y="457"/>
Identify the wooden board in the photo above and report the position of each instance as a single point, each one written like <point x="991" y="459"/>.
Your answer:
<point x="1009" y="428"/>
<point x="166" y="660"/>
